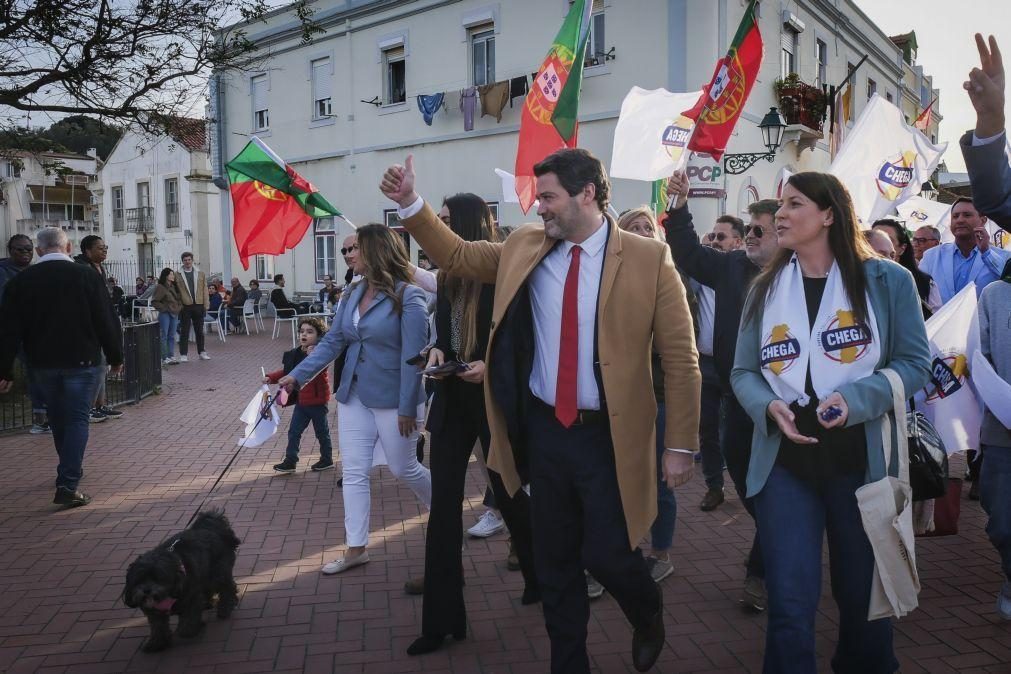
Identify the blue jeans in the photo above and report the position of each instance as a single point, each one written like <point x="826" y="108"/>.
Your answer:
<point x="662" y="531"/>
<point x="995" y="497"/>
<point x="793" y="516"/>
<point x="709" y="424"/>
<point x="300" y="420"/>
<point x="70" y="394"/>
<point x="169" y="324"/>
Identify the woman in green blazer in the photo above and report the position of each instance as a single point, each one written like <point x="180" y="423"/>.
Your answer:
<point x="821" y="320"/>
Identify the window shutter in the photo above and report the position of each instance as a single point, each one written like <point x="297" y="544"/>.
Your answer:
<point x="395" y="54"/>
<point x="788" y="39"/>
<point x="259" y="92"/>
<point x="322" y="85"/>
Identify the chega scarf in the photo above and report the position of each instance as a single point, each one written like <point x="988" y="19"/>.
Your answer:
<point x="838" y="350"/>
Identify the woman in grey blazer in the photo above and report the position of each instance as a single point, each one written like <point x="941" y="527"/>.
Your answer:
<point x="822" y="319"/>
<point x="382" y="322"/>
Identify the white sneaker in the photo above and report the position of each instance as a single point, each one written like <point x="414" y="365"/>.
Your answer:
<point x="489" y="525"/>
<point x="165" y="361"/>
<point x="183" y="359"/>
<point x="204" y="356"/>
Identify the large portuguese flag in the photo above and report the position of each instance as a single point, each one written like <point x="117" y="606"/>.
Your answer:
<point x="272" y="204"/>
<point x="722" y="101"/>
<point x="548" y="121"/>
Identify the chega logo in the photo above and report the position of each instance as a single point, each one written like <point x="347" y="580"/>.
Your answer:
<point x="675" y="137"/>
<point x="895" y="175"/>
<point x="918" y="215"/>
<point x="780" y="350"/>
<point x="947" y="375"/>
<point x="1000" y="239"/>
<point x="843" y="339"/>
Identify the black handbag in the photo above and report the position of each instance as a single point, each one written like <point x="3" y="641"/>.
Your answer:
<point x="928" y="460"/>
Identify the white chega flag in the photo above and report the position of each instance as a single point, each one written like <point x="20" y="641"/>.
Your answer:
<point x="920" y="212"/>
<point x="261" y="422"/>
<point x="884" y="161"/>
<point x="651" y="138"/>
<point x="949" y="401"/>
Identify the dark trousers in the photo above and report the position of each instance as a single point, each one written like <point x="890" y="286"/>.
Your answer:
<point x="443" y="609"/>
<point x="579" y="523"/>
<point x="300" y="420"/>
<point x="70" y="393"/>
<point x="995" y="497"/>
<point x="191" y="314"/>
<point x="709" y="424"/>
<point x="736" y="433"/>
<point x="794" y="516"/>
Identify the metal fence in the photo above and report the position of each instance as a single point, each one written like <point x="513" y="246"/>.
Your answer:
<point x="140" y="378"/>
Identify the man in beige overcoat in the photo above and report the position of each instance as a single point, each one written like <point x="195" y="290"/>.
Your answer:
<point x="579" y="308"/>
<point x="192" y="286"/>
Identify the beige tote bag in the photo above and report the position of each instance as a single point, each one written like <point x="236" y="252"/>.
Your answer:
<point x="886" y="508"/>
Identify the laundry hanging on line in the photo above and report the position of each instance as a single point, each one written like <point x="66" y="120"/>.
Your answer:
<point x="494" y="98"/>
<point x="468" y="105"/>
<point x="518" y="86"/>
<point x="429" y="104"/>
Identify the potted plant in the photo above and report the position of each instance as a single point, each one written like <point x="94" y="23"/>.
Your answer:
<point x="799" y="102"/>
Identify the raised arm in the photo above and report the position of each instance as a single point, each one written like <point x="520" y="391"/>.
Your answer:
<point x="476" y="260"/>
<point x="705" y="265"/>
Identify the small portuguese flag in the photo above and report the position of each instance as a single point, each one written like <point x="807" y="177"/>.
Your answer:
<point x="272" y="204"/>
<point x="548" y="120"/>
<point x="722" y="101"/>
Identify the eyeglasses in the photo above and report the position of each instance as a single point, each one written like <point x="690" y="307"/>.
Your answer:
<point x="919" y="240"/>
<point x="754" y="230"/>
<point x="21" y="249"/>
<point x="345" y="251"/>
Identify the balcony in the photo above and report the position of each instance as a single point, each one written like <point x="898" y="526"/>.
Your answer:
<point x="801" y="104"/>
<point x="26" y="225"/>
<point x="140" y="220"/>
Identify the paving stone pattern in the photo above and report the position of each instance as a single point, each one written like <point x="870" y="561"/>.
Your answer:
<point x="63" y="571"/>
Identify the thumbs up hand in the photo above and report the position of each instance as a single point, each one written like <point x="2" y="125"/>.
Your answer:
<point x="398" y="183"/>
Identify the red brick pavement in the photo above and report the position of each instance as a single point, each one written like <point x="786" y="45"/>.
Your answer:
<point x="62" y="571"/>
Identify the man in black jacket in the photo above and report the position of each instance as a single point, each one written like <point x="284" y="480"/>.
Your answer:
<point x="63" y="344"/>
<point x="94" y="250"/>
<point x="729" y="275"/>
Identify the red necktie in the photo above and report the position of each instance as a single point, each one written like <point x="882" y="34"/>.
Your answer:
<point x="568" y="350"/>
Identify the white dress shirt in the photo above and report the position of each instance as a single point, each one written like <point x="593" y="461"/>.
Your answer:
<point x="547" y="285"/>
<point x="706" y="297"/>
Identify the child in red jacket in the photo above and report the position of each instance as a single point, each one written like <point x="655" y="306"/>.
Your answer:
<point x="311" y="404"/>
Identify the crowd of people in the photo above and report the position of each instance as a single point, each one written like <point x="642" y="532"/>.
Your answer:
<point x="594" y="360"/>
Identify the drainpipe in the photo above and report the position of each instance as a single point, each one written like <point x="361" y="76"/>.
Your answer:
<point x="216" y="149"/>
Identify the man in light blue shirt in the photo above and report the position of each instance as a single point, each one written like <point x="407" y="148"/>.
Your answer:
<point x="969" y="258"/>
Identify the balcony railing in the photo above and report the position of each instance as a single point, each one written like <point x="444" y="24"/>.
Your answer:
<point x="31" y="224"/>
<point x="140" y="219"/>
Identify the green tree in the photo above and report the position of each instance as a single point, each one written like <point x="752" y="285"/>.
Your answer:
<point x="79" y="133"/>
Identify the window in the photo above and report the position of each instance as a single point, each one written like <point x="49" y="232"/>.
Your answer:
<point x="493" y="206"/>
<point x="171" y="203"/>
<point x="482" y="43"/>
<point x="143" y="195"/>
<point x="395" y="76"/>
<point x="821" y="58"/>
<point x="788" y="55"/>
<point x="596" y="49"/>
<point x="258" y="92"/>
<point x="888" y="97"/>
<point x="321" y="88"/>
<point x="264" y="267"/>
<point x="326" y="248"/>
<point x="872" y="88"/>
<point x="12" y="169"/>
<point x="117" y="209"/>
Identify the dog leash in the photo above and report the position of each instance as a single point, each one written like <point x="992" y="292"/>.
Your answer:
<point x="264" y="412"/>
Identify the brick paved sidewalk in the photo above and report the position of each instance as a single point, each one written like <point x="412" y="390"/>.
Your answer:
<point x="63" y="571"/>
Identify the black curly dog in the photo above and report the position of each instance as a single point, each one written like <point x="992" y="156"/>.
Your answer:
<point x="181" y="576"/>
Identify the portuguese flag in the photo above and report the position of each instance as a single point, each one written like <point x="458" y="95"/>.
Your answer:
<point x="548" y="121"/>
<point x="722" y="101"/>
<point x="272" y="204"/>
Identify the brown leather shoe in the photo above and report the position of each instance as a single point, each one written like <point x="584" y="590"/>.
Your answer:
<point x="513" y="560"/>
<point x="415" y="585"/>
<point x="713" y="498"/>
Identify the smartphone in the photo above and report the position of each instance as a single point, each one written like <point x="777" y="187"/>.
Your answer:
<point x="417" y="360"/>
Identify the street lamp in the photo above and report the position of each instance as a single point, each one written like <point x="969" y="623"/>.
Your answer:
<point x="772" y="126"/>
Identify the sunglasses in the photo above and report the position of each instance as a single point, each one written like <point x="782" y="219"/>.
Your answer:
<point x="716" y="236"/>
<point x="754" y="230"/>
<point x="21" y="249"/>
<point x="345" y="251"/>
<point x="919" y="240"/>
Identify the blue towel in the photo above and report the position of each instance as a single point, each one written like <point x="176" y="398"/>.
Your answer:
<point x="429" y="104"/>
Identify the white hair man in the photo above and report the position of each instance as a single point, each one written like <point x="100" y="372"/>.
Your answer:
<point x="57" y="311"/>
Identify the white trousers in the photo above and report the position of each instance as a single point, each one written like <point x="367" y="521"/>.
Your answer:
<point x="359" y="430"/>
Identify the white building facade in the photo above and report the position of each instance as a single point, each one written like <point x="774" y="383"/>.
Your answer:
<point x="47" y="189"/>
<point x="157" y="201"/>
<point x="345" y="107"/>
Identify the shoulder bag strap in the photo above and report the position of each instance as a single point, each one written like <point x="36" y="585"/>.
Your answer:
<point x="898" y="413"/>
